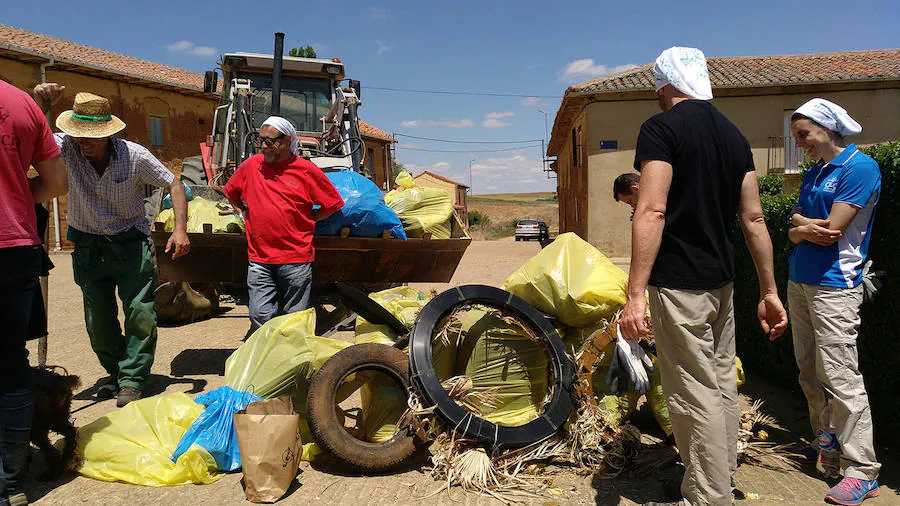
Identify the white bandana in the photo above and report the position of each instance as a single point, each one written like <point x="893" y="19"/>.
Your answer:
<point x="685" y="69"/>
<point x="830" y="115"/>
<point x="284" y="126"/>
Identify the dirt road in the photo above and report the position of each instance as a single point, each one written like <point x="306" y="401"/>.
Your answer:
<point x="191" y="359"/>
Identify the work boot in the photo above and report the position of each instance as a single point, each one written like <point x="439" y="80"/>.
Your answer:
<point x="126" y="395"/>
<point x="852" y="491"/>
<point x="18" y="500"/>
<point x="108" y="389"/>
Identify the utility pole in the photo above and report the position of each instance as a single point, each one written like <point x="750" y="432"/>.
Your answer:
<point x="545" y="142"/>
<point x="470" y="174"/>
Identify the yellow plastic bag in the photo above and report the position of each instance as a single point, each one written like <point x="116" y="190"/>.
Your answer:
<point x="200" y="211"/>
<point x="571" y="280"/>
<point x="502" y="361"/>
<point x="281" y="357"/>
<point x="421" y="209"/>
<point x="134" y="444"/>
<point x="383" y="402"/>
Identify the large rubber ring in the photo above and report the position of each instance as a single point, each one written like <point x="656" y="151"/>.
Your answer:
<point x="428" y="385"/>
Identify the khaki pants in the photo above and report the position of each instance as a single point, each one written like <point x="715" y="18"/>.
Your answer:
<point x="694" y="332"/>
<point x="825" y="322"/>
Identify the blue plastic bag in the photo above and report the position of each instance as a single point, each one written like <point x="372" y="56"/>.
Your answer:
<point x="364" y="211"/>
<point x="214" y="430"/>
<point x="167" y="202"/>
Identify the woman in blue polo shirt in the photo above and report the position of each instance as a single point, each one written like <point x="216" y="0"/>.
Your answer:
<point x="831" y="227"/>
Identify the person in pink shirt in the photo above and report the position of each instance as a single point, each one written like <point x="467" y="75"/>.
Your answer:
<point x="25" y="141"/>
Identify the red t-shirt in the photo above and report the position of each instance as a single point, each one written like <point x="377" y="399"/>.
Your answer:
<point x="25" y="139"/>
<point x="279" y="199"/>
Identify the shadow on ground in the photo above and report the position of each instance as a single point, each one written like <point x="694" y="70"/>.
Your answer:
<point x="198" y="362"/>
<point x="156" y="384"/>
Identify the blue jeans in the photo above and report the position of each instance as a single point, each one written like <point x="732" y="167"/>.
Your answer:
<point x="18" y="287"/>
<point x="277" y="289"/>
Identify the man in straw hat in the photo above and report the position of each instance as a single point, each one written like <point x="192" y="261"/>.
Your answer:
<point x="25" y="141"/>
<point x="110" y="231"/>
<point x="278" y="189"/>
<point x="696" y="173"/>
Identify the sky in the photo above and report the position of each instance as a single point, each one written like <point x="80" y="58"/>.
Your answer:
<point x="527" y="50"/>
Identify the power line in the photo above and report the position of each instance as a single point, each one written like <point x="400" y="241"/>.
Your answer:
<point x="468" y="150"/>
<point x="467" y="142"/>
<point x="468" y="93"/>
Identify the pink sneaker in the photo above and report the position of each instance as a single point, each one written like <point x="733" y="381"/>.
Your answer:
<point x="852" y="491"/>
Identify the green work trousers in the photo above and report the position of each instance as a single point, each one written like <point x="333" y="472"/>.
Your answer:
<point x="101" y="264"/>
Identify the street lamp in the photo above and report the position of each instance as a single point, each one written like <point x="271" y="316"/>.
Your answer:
<point x="470" y="174"/>
<point x="546" y="131"/>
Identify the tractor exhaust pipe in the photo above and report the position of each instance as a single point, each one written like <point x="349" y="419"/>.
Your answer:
<point x="276" y="74"/>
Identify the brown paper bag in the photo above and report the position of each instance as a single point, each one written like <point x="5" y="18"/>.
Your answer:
<point x="267" y="433"/>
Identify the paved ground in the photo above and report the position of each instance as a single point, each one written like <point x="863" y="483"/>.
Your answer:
<point x="191" y="359"/>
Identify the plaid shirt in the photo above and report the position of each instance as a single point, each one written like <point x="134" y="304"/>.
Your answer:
<point x="111" y="203"/>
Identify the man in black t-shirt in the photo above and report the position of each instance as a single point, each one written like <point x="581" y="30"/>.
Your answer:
<point x="696" y="173"/>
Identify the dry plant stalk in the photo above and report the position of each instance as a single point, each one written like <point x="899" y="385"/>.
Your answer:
<point x="753" y="447"/>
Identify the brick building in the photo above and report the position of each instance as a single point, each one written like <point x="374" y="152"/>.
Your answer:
<point x="164" y="108"/>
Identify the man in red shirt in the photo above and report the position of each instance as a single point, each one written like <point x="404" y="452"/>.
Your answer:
<point x="277" y="190"/>
<point x="25" y="140"/>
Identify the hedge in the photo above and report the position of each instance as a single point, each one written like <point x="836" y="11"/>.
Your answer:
<point x="878" y="343"/>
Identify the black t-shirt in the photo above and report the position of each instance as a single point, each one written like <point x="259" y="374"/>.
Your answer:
<point x="709" y="158"/>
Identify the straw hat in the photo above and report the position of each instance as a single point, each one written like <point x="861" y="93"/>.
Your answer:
<point x="89" y="118"/>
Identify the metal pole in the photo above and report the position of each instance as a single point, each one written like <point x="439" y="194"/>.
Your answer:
<point x="45" y="281"/>
<point x="470" y="174"/>
<point x="276" y="74"/>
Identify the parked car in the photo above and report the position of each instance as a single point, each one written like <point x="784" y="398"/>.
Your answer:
<point x="531" y="229"/>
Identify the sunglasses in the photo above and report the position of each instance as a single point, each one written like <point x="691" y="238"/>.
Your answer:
<point x="269" y="141"/>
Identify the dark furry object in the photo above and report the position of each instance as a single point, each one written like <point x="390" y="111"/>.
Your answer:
<point x="52" y="412"/>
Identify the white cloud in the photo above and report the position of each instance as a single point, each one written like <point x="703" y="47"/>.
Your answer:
<point x="184" y="46"/>
<point x="532" y="102"/>
<point x="382" y="48"/>
<point x="586" y="68"/>
<point x="493" y="119"/>
<point x="441" y="166"/>
<point x="462" y="123"/>
<point x="379" y="14"/>
<point x="517" y="173"/>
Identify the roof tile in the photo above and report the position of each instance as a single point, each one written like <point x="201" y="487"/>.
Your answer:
<point x="747" y="71"/>
<point x="59" y="48"/>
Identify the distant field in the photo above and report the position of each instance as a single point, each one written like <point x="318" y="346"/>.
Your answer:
<point x="517" y="197"/>
<point x="503" y="210"/>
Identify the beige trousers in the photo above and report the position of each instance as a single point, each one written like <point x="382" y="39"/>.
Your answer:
<point x="825" y="322"/>
<point x="694" y="332"/>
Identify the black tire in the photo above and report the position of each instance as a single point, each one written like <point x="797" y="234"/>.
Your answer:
<point x="328" y="429"/>
<point x="463" y="422"/>
<point x="192" y="171"/>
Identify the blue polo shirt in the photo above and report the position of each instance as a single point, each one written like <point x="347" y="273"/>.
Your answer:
<point x="853" y="178"/>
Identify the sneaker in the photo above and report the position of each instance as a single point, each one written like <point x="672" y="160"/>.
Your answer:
<point x="108" y="389"/>
<point x="852" y="491"/>
<point x="126" y="395"/>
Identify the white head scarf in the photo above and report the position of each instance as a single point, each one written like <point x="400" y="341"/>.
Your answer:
<point x="284" y="126"/>
<point x="685" y="69"/>
<point x="830" y="115"/>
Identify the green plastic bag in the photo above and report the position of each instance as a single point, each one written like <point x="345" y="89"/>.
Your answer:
<point x="134" y="444"/>
<point x="571" y="280"/>
<point x="421" y="209"/>
<point x="383" y="402"/>
<point x="200" y="211"/>
<point x="503" y="362"/>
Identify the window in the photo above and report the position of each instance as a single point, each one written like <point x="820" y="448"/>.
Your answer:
<point x="371" y="155"/>
<point x="156" y="131"/>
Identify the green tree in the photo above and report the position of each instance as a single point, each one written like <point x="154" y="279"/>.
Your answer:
<point x="303" y="52"/>
<point x="396" y="168"/>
